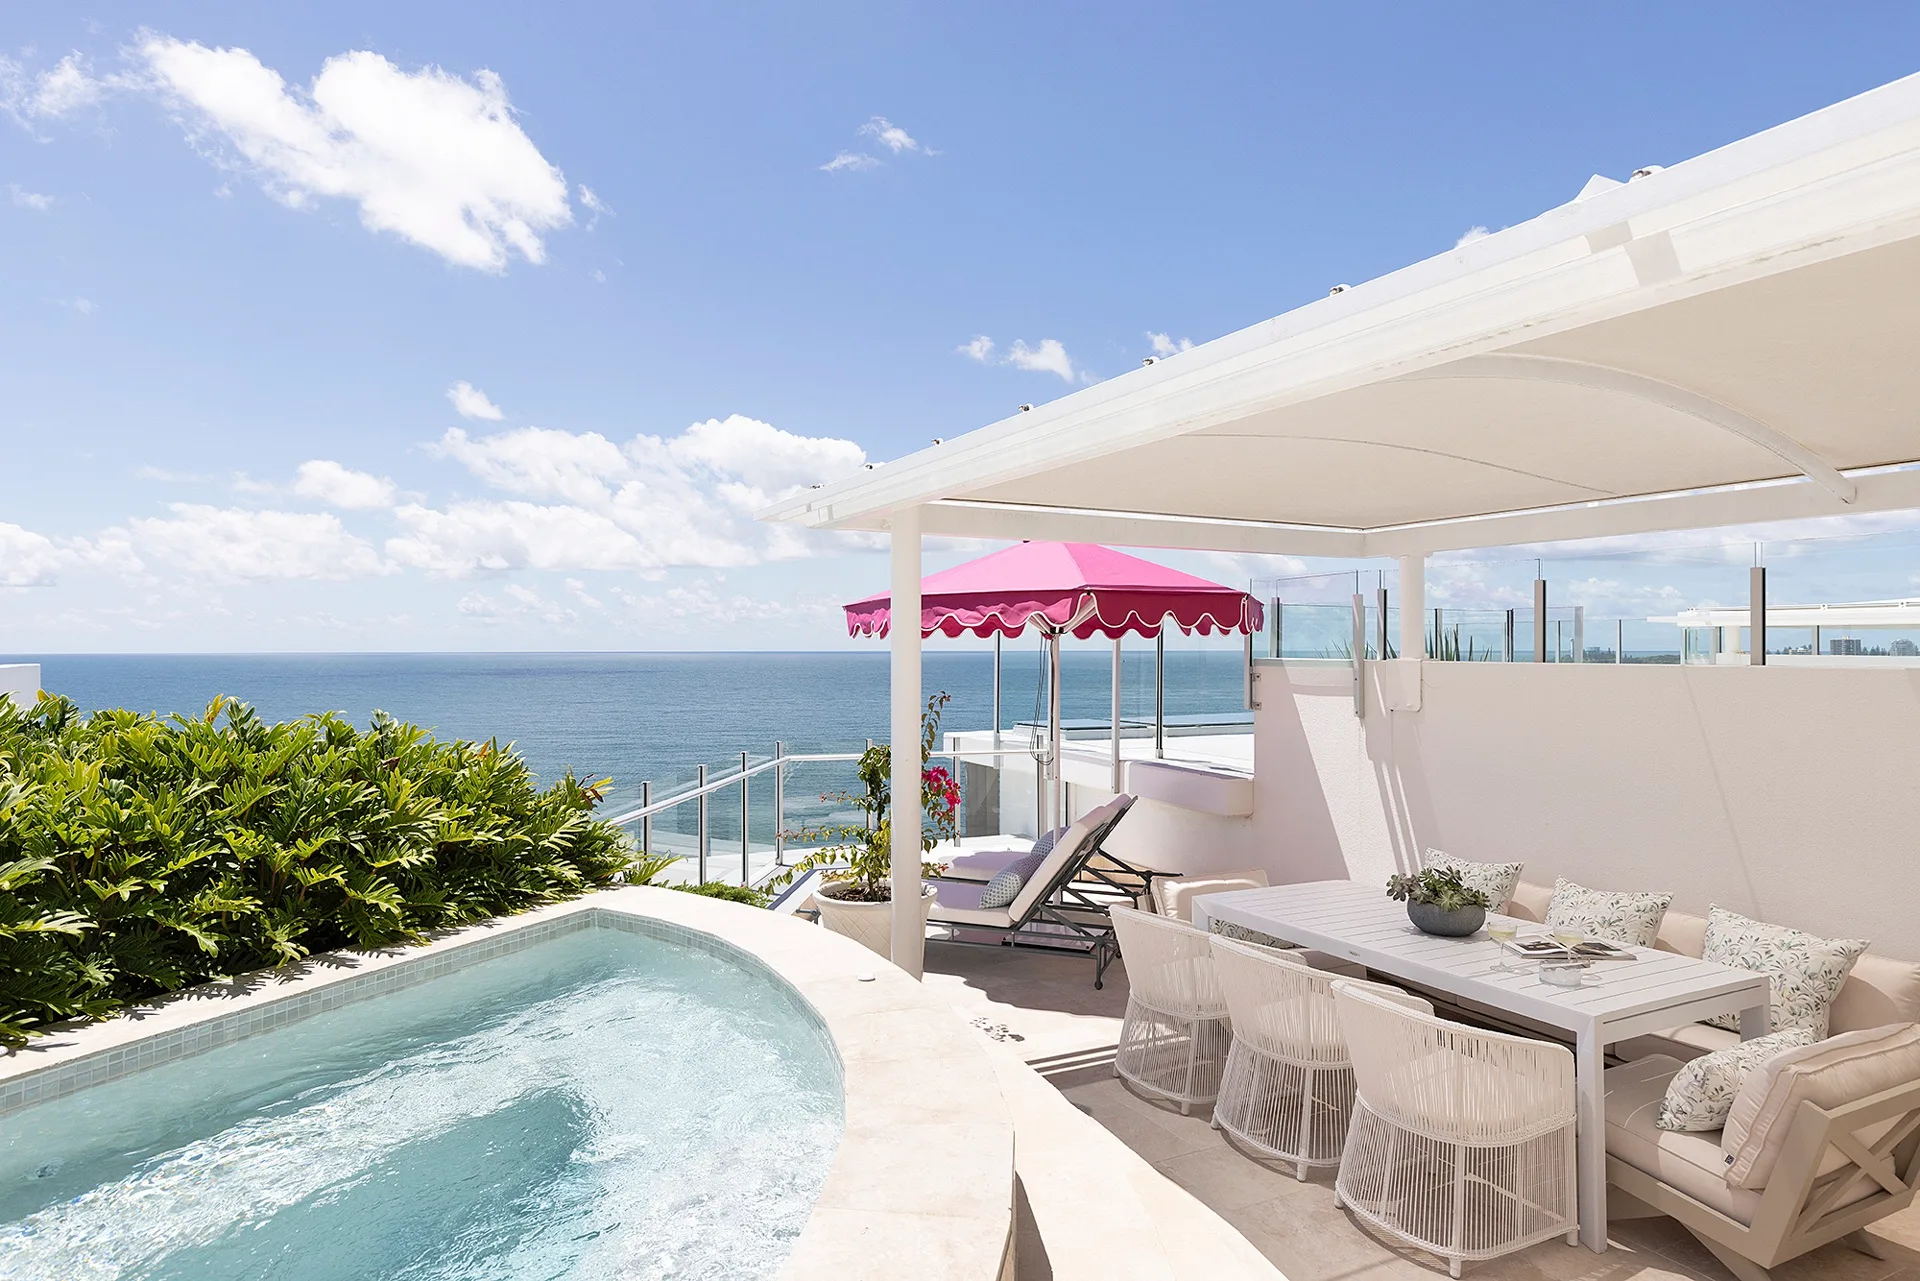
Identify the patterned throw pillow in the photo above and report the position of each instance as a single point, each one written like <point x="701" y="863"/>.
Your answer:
<point x="1623" y="917"/>
<point x="1044" y="846"/>
<point x="1495" y="880"/>
<point x="1009" y="880"/>
<point x="1804" y="971"/>
<point x="1702" y="1093"/>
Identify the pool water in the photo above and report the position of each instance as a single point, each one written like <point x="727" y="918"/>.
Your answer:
<point x="602" y="1104"/>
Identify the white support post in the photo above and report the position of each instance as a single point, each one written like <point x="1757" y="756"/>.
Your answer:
<point x="909" y="936"/>
<point x="1413" y="606"/>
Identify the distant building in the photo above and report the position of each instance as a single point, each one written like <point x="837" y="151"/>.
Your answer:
<point x="1904" y="648"/>
<point x="1843" y="645"/>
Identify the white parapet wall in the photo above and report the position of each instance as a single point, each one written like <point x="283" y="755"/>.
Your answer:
<point x="1786" y="793"/>
<point x="20" y="682"/>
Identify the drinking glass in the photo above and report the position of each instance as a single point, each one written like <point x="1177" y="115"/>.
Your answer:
<point x="1503" y="930"/>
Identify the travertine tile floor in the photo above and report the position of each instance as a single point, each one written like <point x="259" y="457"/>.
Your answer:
<point x="1046" y="1007"/>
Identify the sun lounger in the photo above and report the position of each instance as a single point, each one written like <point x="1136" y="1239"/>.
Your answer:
<point x="1063" y="905"/>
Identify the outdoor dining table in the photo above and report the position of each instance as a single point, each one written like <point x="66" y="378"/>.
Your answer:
<point x="1618" y="999"/>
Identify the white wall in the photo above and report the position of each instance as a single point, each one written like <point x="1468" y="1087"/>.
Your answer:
<point x="20" y="682"/>
<point x="1788" y="793"/>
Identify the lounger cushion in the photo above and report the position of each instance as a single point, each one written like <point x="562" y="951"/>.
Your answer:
<point x="1495" y="880"/>
<point x="1064" y="851"/>
<point x="1688" y="1163"/>
<point x="1703" y="1090"/>
<point x="1007" y="883"/>
<point x="1804" y="970"/>
<point x="958" y="903"/>
<point x="1842" y="1069"/>
<point x="982" y="865"/>
<point x="1173" y="895"/>
<point x="1624" y="916"/>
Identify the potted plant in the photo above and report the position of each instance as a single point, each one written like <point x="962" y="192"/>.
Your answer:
<point x="856" y="898"/>
<point x="1438" y="902"/>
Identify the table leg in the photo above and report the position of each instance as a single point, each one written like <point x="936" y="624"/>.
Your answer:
<point x="1590" y="1109"/>
<point x="1753" y="1021"/>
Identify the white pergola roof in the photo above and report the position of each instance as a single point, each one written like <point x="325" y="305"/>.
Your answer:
<point x="1731" y="339"/>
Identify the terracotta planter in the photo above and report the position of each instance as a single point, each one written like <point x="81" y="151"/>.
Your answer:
<point x="869" y="924"/>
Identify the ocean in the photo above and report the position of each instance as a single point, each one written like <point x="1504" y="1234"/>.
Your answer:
<point x="652" y="717"/>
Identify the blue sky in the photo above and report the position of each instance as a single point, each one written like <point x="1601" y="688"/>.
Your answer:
<point x="250" y="254"/>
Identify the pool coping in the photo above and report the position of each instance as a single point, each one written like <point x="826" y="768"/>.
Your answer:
<point x="922" y="1179"/>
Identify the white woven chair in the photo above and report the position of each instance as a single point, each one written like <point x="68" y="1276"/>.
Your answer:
<point x="1462" y="1141"/>
<point x="1287" y="1091"/>
<point x="1174" y="1039"/>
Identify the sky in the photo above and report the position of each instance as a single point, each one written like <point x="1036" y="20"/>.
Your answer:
<point x="488" y="326"/>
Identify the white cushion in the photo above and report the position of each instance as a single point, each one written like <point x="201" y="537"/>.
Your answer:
<point x="1804" y="971"/>
<point x="1879" y="990"/>
<point x="958" y="903"/>
<point x="1689" y="1163"/>
<point x="1495" y="880"/>
<point x="1173" y="895"/>
<point x="1703" y="1089"/>
<point x="981" y="865"/>
<point x="1840" y="1070"/>
<point x="1622" y="916"/>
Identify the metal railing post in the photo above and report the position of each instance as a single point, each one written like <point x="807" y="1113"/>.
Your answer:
<point x="1619" y="640"/>
<point x="646" y="820"/>
<point x="1359" y="652"/>
<point x="1539" y="620"/>
<point x="1757" y="616"/>
<point x="700" y="830"/>
<point x="780" y="805"/>
<point x="1506" y="641"/>
<point x="1579" y="633"/>
<point x="1380" y="623"/>
<point x="1278" y="648"/>
<point x="1438" y="647"/>
<point x="746" y="850"/>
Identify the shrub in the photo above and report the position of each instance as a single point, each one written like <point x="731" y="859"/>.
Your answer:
<point x="140" y="855"/>
<point x="722" y="890"/>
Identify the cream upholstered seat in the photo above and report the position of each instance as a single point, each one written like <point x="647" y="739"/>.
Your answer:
<point x="1173" y="895"/>
<point x="1462" y="1141"/>
<point x="1824" y="1140"/>
<point x="1287" y="1091"/>
<point x="1174" y="1039"/>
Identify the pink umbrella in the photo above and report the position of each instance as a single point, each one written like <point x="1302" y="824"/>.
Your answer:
<point x="1081" y="588"/>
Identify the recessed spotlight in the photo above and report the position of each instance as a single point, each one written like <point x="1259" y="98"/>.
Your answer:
<point x="1150" y="360"/>
<point x="1026" y="409"/>
<point x="1338" y="289"/>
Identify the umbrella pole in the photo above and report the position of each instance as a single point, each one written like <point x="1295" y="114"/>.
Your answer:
<point x="1054" y="762"/>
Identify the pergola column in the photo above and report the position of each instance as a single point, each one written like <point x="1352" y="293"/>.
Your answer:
<point x="1413" y="606"/>
<point x="909" y="935"/>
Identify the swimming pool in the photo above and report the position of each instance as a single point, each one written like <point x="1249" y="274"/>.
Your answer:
<point x="598" y="1104"/>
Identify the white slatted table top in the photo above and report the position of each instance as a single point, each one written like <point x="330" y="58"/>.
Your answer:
<point x="1619" y="998"/>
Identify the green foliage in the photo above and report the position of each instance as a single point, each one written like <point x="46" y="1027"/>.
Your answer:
<point x="722" y="890"/>
<point x="140" y="855"/>
<point x="1441" y="888"/>
<point x="865" y="849"/>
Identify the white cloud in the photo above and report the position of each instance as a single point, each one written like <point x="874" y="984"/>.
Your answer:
<point x="433" y="158"/>
<point x="980" y="349"/>
<point x="598" y="276"/>
<point x="850" y="162"/>
<point x="328" y="482"/>
<point x="85" y="306"/>
<point x="579" y="501"/>
<point x="594" y="205"/>
<point x="1471" y="234"/>
<point x="471" y="402"/>
<point x="516" y="602"/>
<point x="232" y="544"/>
<point x="48" y="95"/>
<point x="26" y="558"/>
<point x="1049" y="357"/>
<point x="24" y="199"/>
<point x="1164" y="345"/>
<point x="893" y="137"/>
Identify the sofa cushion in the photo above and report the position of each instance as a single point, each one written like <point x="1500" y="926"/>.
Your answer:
<point x="1689" y="1163"/>
<point x="1842" y="1069"/>
<point x="1879" y="990"/>
<point x="1681" y="933"/>
<point x="1495" y="880"/>
<point x="1529" y="902"/>
<point x="1703" y="1090"/>
<point x="1174" y="895"/>
<point x="1688" y="1041"/>
<point x="1624" y="916"/>
<point x="1804" y="970"/>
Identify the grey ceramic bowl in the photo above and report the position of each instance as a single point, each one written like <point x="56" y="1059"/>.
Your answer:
<point x="1457" y="924"/>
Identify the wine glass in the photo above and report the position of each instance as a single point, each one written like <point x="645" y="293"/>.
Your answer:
<point x="1503" y="930"/>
